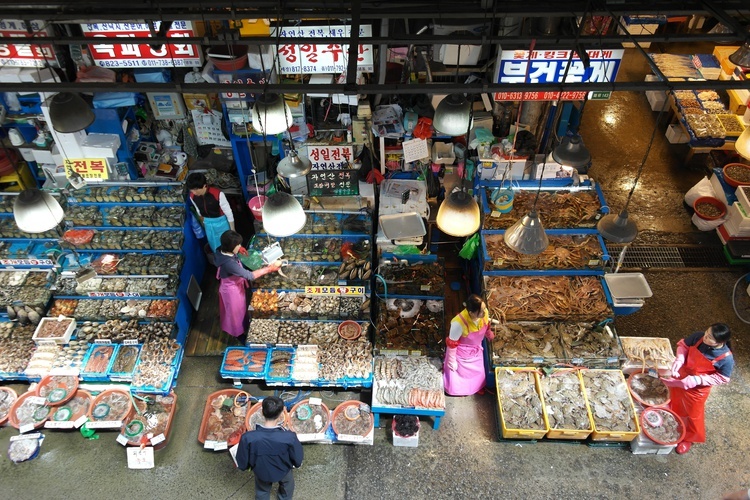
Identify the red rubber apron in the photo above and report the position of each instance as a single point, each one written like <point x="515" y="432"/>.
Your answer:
<point x="690" y="403"/>
<point x="232" y="305"/>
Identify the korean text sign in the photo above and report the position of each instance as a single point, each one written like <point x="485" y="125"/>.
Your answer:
<point x="142" y="55"/>
<point x="321" y="58"/>
<point x="91" y="169"/>
<point x="330" y="157"/>
<point x="333" y="183"/>
<point x="549" y="66"/>
<point x="26" y="55"/>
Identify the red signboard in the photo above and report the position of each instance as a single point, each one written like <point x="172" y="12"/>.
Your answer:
<point x="26" y="55"/>
<point x="142" y="55"/>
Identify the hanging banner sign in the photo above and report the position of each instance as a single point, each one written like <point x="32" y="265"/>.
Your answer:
<point x="349" y="291"/>
<point x="313" y="58"/>
<point x="91" y="169"/>
<point x="548" y="66"/>
<point x="26" y="55"/>
<point x="330" y="157"/>
<point x="142" y="55"/>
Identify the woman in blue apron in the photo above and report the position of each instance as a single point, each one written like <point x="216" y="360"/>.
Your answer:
<point x="212" y="207"/>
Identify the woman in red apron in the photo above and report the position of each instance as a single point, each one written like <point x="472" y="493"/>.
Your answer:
<point x="703" y="360"/>
<point x="233" y="281"/>
<point x="463" y="368"/>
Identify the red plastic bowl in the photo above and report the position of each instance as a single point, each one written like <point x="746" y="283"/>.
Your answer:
<point x="732" y="181"/>
<point x="230" y="58"/>
<point x="647" y="427"/>
<point x="711" y="201"/>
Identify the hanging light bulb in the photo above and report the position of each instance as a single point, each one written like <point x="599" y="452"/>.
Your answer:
<point x="68" y="113"/>
<point x="741" y="57"/>
<point x="571" y="152"/>
<point x="452" y="115"/>
<point x="282" y="215"/>
<point x="527" y="236"/>
<point x="293" y="165"/>
<point x="458" y="215"/>
<point x="271" y="114"/>
<point x="36" y="211"/>
<point x="617" y="228"/>
<point x="742" y="145"/>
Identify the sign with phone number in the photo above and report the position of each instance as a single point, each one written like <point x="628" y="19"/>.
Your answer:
<point x="312" y="58"/>
<point x="91" y="169"/>
<point x="352" y="291"/>
<point x="26" y="55"/>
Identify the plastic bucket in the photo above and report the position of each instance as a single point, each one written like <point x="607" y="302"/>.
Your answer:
<point x="256" y="206"/>
<point x="502" y="199"/>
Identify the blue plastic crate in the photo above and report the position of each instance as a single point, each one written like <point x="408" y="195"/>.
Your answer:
<point x="128" y="375"/>
<point x="245" y="363"/>
<point x="272" y="379"/>
<point x="162" y="389"/>
<point x="97" y="350"/>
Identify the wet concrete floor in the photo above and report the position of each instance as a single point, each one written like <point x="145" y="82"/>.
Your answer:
<point x="464" y="458"/>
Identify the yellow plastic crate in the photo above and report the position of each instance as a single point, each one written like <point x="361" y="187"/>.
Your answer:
<point x="624" y="436"/>
<point x="569" y="433"/>
<point x="733" y="126"/>
<point x="509" y="433"/>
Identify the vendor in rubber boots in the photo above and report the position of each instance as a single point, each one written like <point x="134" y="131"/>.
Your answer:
<point x="212" y="207"/>
<point x="704" y="359"/>
<point x="463" y="368"/>
<point x="234" y="279"/>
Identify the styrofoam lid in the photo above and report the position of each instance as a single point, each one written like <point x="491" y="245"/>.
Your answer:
<point x="628" y="285"/>
<point x="401" y="226"/>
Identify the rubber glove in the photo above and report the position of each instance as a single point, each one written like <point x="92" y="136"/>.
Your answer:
<point x="490" y="335"/>
<point x="686" y="383"/>
<point x="243" y="251"/>
<point x="677" y="364"/>
<point x="450" y="359"/>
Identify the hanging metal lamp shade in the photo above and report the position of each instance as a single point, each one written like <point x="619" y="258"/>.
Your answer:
<point x="458" y="215"/>
<point x="271" y="115"/>
<point x="617" y="228"/>
<point x="452" y="115"/>
<point x="36" y="211"/>
<point x="742" y="145"/>
<point x="294" y="166"/>
<point x="282" y="215"/>
<point x="69" y="113"/>
<point x="741" y="57"/>
<point x="571" y="152"/>
<point x="527" y="236"/>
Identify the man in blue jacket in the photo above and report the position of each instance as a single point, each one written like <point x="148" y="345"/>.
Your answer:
<point x="271" y="452"/>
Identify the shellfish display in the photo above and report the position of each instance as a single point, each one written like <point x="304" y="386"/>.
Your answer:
<point x="222" y="418"/>
<point x="526" y="343"/>
<point x="155" y="369"/>
<point x="240" y="359"/>
<point x="533" y="298"/>
<point x="309" y="418"/>
<point x="519" y="400"/>
<point x="609" y="400"/>
<point x="564" y="252"/>
<point x="408" y="381"/>
<point x="648" y="390"/>
<point x="587" y="341"/>
<point x="413" y="279"/>
<point x="564" y="402"/>
<point x="16" y="348"/>
<point x="110" y="406"/>
<point x="345" y="358"/>
<point x="662" y="425"/>
<point x="353" y="418"/>
<point x="152" y="418"/>
<point x="557" y="209"/>
<point x="410" y="325"/>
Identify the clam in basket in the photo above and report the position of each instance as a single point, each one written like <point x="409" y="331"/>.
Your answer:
<point x="255" y="417"/>
<point x="648" y="390"/>
<point x="68" y="415"/>
<point x="352" y="420"/>
<point x="57" y="389"/>
<point x="224" y="417"/>
<point x="662" y="426"/>
<point x="309" y="418"/>
<point x="109" y="409"/>
<point x="7" y="397"/>
<point x="28" y="412"/>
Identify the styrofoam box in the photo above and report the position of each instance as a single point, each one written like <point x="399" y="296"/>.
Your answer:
<point x="409" y="442"/>
<point x="101" y="145"/>
<point x="743" y="200"/>
<point x="656" y="99"/>
<point x="738" y="217"/>
<point x="637" y="29"/>
<point x="63" y="339"/>
<point x="675" y="134"/>
<point x="43" y="156"/>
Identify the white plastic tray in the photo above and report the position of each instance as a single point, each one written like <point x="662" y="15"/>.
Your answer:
<point x="627" y="286"/>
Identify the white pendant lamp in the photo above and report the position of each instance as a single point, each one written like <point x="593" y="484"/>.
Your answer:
<point x="617" y="228"/>
<point x="742" y="145"/>
<point x="69" y="113"/>
<point x="282" y="215"/>
<point x="293" y="165"/>
<point x="571" y="152"/>
<point x="527" y="235"/>
<point x="36" y="211"/>
<point x="458" y="215"/>
<point x="452" y="115"/>
<point x="271" y="115"/>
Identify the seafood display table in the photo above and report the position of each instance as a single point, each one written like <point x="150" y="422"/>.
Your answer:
<point x="420" y="412"/>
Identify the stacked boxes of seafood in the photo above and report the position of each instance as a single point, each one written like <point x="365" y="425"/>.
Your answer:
<point x="297" y="313"/>
<point x="645" y="353"/>
<point x="24" y="294"/>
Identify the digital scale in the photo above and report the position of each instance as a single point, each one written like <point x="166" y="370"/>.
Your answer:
<point x="272" y="253"/>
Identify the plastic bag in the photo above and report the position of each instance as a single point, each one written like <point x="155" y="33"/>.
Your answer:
<point x="470" y="248"/>
<point x="707" y="225"/>
<point x="106" y="263"/>
<point x="253" y="260"/>
<point x="702" y="188"/>
<point x="78" y="236"/>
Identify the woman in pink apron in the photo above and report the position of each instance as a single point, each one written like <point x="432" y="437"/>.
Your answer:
<point x="463" y="368"/>
<point x="234" y="279"/>
<point x="704" y="359"/>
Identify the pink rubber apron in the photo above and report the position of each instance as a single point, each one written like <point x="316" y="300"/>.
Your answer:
<point x="232" y="305"/>
<point x="469" y="376"/>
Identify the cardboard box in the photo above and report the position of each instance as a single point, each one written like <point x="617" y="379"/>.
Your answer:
<point x="738" y="101"/>
<point x="635" y="25"/>
<point x="676" y="135"/>
<point x="722" y="53"/>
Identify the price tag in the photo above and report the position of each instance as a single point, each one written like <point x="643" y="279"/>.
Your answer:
<point x="130" y="342"/>
<point x="63" y="424"/>
<point x="593" y="262"/>
<point x="537" y="360"/>
<point x="495" y="214"/>
<point x="415" y="353"/>
<point x="36" y="435"/>
<point x="82" y="420"/>
<point x="236" y="382"/>
<point x="350" y="438"/>
<point x="104" y="424"/>
<point x="315" y="401"/>
<point x="140" y="458"/>
<point x="209" y="445"/>
<point x="424" y="288"/>
<point x="122" y="439"/>
<point x="499" y="262"/>
<point x="653" y="373"/>
<point x="220" y="446"/>
<point x="36" y="400"/>
<point x="158" y="439"/>
<point x="26" y="428"/>
<point x="45" y="342"/>
<point x="611" y="361"/>
<point x="102" y="341"/>
<point x="70" y="372"/>
<point x="577" y="361"/>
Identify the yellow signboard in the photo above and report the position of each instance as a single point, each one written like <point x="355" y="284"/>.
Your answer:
<point x="91" y="169"/>
<point x="351" y="291"/>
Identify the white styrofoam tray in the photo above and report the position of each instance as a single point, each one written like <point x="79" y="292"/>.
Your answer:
<point x="628" y="285"/>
